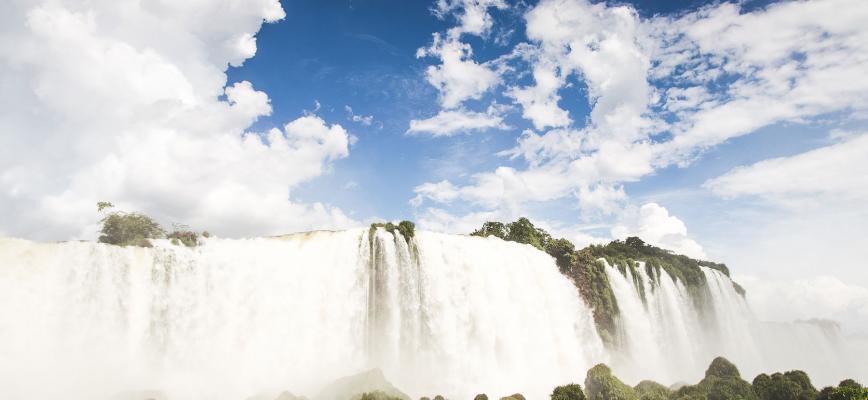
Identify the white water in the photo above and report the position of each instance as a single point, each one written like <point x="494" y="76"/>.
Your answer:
<point x="233" y="318"/>
<point x="447" y="314"/>
<point x="668" y="338"/>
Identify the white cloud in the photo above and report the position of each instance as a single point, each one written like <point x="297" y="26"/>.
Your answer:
<point x="833" y="174"/>
<point x="663" y="89"/>
<point x="601" y="45"/>
<point x="365" y="120"/>
<point x="792" y="60"/>
<point x="473" y="16"/>
<point x="112" y="101"/>
<point x="458" y="77"/>
<point x="653" y="224"/>
<point x="451" y="122"/>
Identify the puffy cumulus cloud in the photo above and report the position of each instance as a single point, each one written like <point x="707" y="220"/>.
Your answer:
<point x="653" y="224"/>
<point x="458" y="77"/>
<point x="473" y="17"/>
<point x="600" y="44"/>
<point x="121" y="101"/>
<point x="451" y="122"/>
<point x="803" y="299"/>
<point x="830" y="174"/>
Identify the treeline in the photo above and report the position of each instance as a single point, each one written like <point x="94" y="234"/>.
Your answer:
<point x="722" y="381"/>
<point x="122" y="228"/>
<point x="589" y="275"/>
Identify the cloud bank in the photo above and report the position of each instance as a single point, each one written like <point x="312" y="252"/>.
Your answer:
<point x="128" y="102"/>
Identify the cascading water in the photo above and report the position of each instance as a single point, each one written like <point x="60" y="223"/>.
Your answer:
<point x="667" y="335"/>
<point x="232" y="318"/>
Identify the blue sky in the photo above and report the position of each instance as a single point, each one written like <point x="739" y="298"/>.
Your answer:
<point x="733" y="131"/>
<point x="362" y="55"/>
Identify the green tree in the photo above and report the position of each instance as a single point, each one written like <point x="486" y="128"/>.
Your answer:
<point x="496" y="229"/>
<point x="481" y="396"/>
<point x="847" y="389"/>
<point x="602" y="385"/>
<point x="563" y="251"/>
<point x="572" y="391"/>
<point x="127" y="229"/>
<point x="650" y="390"/>
<point x="523" y="231"/>
<point x="791" y="385"/>
<point x="407" y="228"/>
<point x="722" y="382"/>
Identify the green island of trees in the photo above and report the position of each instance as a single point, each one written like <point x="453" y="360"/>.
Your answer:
<point x="588" y="273"/>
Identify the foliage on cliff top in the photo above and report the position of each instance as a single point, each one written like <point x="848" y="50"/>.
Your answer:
<point x="127" y="229"/>
<point x="581" y="267"/>
<point x="600" y="384"/>
<point x="405" y="228"/>
<point x="623" y="253"/>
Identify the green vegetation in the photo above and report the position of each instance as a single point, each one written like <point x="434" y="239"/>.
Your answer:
<point x="135" y="229"/>
<point x="791" y="385"/>
<point x="848" y="389"/>
<point x="650" y="390"/>
<point x="722" y="382"/>
<point x="571" y="391"/>
<point x="515" y="396"/>
<point x="600" y="384"/>
<point x="183" y="235"/>
<point x="589" y="274"/>
<point x="377" y="395"/>
<point x="405" y="228"/>
<point x="127" y="229"/>
<point x="481" y="396"/>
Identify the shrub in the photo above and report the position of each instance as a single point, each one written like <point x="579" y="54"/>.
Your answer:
<point x="377" y="395"/>
<point x="722" y="382"/>
<point x="496" y="229"/>
<point x="481" y="396"/>
<point x="650" y="390"/>
<point x="127" y="229"/>
<point x="722" y="368"/>
<point x="571" y="391"/>
<point x="602" y="385"/>
<point x="407" y="229"/>
<point x="848" y="389"/>
<point x="563" y="251"/>
<point x="792" y="385"/>
<point x="187" y="237"/>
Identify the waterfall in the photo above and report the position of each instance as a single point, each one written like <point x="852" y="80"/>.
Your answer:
<point x="666" y="335"/>
<point x="445" y="314"/>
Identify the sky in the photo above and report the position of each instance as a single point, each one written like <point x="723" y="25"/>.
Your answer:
<point x="729" y="131"/>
